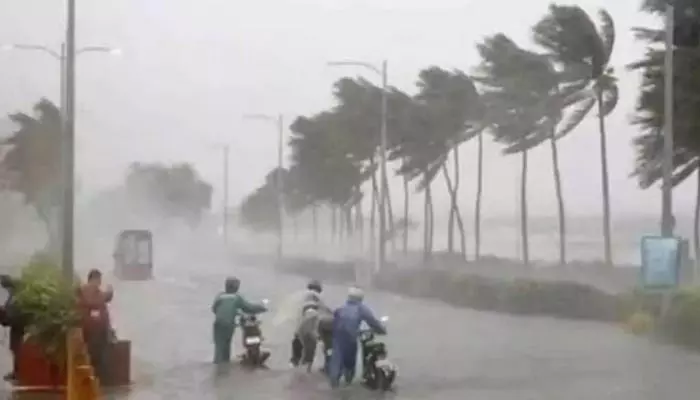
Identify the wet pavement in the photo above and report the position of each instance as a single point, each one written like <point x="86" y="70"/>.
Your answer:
<point x="442" y="352"/>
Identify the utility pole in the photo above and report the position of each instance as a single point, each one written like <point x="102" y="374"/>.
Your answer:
<point x="280" y="185"/>
<point x="69" y="143"/>
<point x="667" y="161"/>
<point x="225" y="201"/>
<point x="380" y="255"/>
<point x="382" y="170"/>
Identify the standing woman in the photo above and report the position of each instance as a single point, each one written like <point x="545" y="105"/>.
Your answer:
<point x="92" y="301"/>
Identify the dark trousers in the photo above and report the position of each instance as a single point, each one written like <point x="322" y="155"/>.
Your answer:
<point x="16" y="337"/>
<point x="98" y="345"/>
<point x="297" y="350"/>
<point x="223" y="334"/>
<point x="327" y="341"/>
<point x="303" y="349"/>
<point x="343" y="359"/>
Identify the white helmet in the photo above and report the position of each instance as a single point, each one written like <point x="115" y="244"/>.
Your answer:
<point x="356" y="293"/>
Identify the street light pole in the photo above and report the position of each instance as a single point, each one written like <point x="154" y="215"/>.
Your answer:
<point x="66" y="58"/>
<point x="667" y="161"/>
<point x="382" y="168"/>
<point x="380" y="255"/>
<point x="279" y="121"/>
<point x="280" y="184"/>
<point x="69" y="147"/>
<point x="225" y="206"/>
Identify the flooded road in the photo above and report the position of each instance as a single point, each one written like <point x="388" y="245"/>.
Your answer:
<point x="442" y="352"/>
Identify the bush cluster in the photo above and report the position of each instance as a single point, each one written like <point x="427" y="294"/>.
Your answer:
<point x="638" y="310"/>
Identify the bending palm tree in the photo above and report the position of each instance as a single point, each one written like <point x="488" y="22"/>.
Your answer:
<point x="583" y="53"/>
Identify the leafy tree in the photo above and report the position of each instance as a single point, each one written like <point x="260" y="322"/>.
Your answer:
<point x="34" y="160"/>
<point x="327" y="165"/>
<point x="174" y="191"/>
<point x="439" y="117"/>
<point x="583" y="52"/>
<point x="260" y="210"/>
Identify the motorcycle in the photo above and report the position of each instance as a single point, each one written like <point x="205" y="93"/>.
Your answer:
<point x="378" y="373"/>
<point x="255" y="355"/>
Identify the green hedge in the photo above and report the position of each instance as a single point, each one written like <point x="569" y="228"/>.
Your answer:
<point x="682" y="322"/>
<point x="562" y="299"/>
<point x="519" y="296"/>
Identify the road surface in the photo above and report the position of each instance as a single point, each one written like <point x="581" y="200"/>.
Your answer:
<point x="442" y="352"/>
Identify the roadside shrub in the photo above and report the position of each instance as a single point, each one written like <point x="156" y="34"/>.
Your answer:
<point x="639" y="323"/>
<point x="48" y="301"/>
<point x="682" y="322"/>
<point x="521" y="296"/>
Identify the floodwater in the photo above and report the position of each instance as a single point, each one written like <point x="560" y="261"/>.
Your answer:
<point x="442" y="352"/>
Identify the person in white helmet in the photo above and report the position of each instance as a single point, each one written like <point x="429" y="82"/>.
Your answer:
<point x="346" y="326"/>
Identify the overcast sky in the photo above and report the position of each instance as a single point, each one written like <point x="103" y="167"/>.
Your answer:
<point x="189" y="69"/>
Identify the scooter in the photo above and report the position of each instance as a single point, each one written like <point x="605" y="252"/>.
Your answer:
<point x="378" y="373"/>
<point x="255" y="355"/>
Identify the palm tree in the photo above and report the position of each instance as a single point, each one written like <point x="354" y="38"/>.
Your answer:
<point x="451" y="101"/>
<point x="583" y="53"/>
<point x="525" y="104"/>
<point x="35" y="159"/>
<point x="326" y="170"/>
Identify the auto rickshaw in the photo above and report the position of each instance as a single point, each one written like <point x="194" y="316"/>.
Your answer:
<point x="133" y="255"/>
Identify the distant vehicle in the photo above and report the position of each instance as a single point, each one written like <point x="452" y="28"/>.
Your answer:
<point x="133" y="255"/>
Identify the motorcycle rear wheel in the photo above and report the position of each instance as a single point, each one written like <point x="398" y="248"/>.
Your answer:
<point x="383" y="380"/>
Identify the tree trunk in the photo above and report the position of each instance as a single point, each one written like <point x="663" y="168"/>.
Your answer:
<point x="696" y="229"/>
<point x="348" y="221"/>
<point x="479" y="191"/>
<point x="604" y="181"/>
<point x="560" y="200"/>
<point x="341" y="224"/>
<point x="426" y="224"/>
<point x="333" y="224"/>
<point x="405" y="215"/>
<point x="373" y="210"/>
<point x="454" y="209"/>
<point x="360" y="225"/>
<point x="314" y="219"/>
<point x="523" y="210"/>
<point x="460" y="224"/>
<point x="451" y="217"/>
<point x="431" y="215"/>
<point x="389" y="215"/>
<point x="295" y="226"/>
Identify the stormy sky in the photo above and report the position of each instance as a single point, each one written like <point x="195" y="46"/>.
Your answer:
<point x="189" y="69"/>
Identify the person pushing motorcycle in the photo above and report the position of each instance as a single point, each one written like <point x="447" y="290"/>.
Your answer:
<point x="226" y="307"/>
<point x="313" y="310"/>
<point x="346" y="328"/>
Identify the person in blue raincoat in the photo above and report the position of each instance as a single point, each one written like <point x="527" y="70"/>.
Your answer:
<point x="346" y="326"/>
<point x="226" y="307"/>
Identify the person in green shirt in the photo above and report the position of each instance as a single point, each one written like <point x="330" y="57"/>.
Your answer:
<point x="226" y="307"/>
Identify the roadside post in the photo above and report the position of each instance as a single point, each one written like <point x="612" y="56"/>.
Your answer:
<point x="661" y="267"/>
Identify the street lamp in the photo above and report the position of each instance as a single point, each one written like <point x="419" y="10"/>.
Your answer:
<point x="382" y="72"/>
<point x="66" y="57"/>
<point x="278" y="120"/>
<point x="61" y="57"/>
